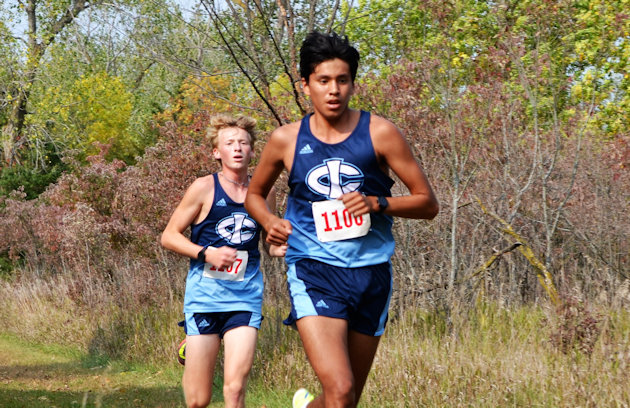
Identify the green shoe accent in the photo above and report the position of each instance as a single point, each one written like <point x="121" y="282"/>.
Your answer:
<point x="181" y="352"/>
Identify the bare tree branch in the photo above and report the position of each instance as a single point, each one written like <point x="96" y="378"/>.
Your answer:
<point x="219" y="26"/>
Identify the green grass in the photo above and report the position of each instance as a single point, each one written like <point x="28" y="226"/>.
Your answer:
<point x="40" y="375"/>
<point x="35" y="376"/>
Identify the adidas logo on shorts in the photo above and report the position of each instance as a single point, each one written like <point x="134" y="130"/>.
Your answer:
<point x="322" y="305"/>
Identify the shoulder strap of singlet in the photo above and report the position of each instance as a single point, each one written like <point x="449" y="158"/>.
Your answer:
<point x="219" y="192"/>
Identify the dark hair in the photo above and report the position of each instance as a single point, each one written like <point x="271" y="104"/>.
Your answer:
<point x="318" y="47"/>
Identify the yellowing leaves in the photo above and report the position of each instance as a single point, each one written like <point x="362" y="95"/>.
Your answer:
<point x="521" y="21"/>
<point x="95" y="108"/>
<point x="212" y="93"/>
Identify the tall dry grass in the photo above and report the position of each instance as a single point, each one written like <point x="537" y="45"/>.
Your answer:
<point x="497" y="357"/>
<point x="131" y="315"/>
<point x="487" y="355"/>
<point x="490" y="357"/>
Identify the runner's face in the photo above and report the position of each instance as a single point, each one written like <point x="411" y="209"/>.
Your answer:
<point x="330" y="87"/>
<point x="234" y="148"/>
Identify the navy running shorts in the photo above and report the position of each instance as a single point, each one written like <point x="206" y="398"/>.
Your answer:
<point x="218" y="322"/>
<point x="359" y="295"/>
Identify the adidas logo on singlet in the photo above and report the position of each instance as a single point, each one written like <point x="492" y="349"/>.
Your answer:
<point x="321" y="304"/>
<point x="221" y="203"/>
<point x="306" y="149"/>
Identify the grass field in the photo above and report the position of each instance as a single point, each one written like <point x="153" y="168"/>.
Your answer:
<point x="52" y="376"/>
<point x="38" y="376"/>
<point x="489" y="357"/>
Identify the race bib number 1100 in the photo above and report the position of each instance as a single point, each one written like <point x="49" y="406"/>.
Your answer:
<point x="333" y="222"/>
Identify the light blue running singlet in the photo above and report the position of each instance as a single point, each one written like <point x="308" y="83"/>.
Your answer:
<point x="210" y="290"/>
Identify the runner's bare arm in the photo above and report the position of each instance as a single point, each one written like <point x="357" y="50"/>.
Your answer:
<point x="273" y="160"/>
<point x="272" y="250"/>
<point x="394" y="151"/>
<point x="187" y="212"/>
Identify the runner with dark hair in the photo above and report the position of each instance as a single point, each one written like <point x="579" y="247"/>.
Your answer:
<point x="338" y="222"/>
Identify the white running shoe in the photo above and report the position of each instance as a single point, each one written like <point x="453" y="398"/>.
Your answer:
<point x="302" y="398"/>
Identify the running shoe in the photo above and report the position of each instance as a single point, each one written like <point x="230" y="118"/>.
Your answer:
<point x="302" y="398"/>
<point x="181" y="352"/>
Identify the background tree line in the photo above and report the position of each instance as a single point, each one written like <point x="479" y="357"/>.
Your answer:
<point x="517" y="110"/>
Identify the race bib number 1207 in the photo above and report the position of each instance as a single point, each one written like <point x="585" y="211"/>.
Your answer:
<point x="333" y="222"/>
<point x="235" y="272"/>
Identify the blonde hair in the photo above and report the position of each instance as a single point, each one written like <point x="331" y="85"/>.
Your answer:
<point x="223" y="121"/>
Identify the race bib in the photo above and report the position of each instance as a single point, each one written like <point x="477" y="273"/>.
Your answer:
<point x="334" y="222"/>
<point x="235" y="272"/>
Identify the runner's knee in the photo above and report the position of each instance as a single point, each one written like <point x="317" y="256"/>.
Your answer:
<point x="234" y="390"/>
<point x="341" y="391"/>
<point x="198" y="400"/>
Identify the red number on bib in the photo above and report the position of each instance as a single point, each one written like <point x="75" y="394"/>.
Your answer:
<point x="325" y="215"/>
<point x="239" y="262"/>
<point x="348" y="220"/>
<point x="234" y="267"/>
<point x="336" y="214"/>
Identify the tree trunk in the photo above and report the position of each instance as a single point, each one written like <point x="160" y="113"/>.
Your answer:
<point x="12" y="131"/>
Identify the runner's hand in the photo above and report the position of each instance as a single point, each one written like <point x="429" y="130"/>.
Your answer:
<point x="357" y="203"/>
<point x="278" y="250"/>
<point x="278" y="231"/>
<point x="221" y="258"/>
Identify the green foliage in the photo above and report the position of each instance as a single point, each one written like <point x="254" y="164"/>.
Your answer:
<point x="34" y="175"/>
<point x="602" y="62"/>
<point x="379" y="47"/>
<point x="6" y="266"/>
<point x="197" y="94"/>
<point x="557" y="54"/>
<point x="33" y="181"/>
<point x="86" y="81"/>
<point x="457" y="32"/>
<point x="9" y="65"/>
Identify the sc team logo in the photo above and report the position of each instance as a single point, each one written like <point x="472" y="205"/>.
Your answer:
<point x="334" y="177"/>
<point x="237" y="228"/>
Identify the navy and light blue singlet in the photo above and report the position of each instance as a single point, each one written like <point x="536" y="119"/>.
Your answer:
<point x="322" y="171"/>
<point x="227" y="224"/>
<point x="348" y="278"/>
